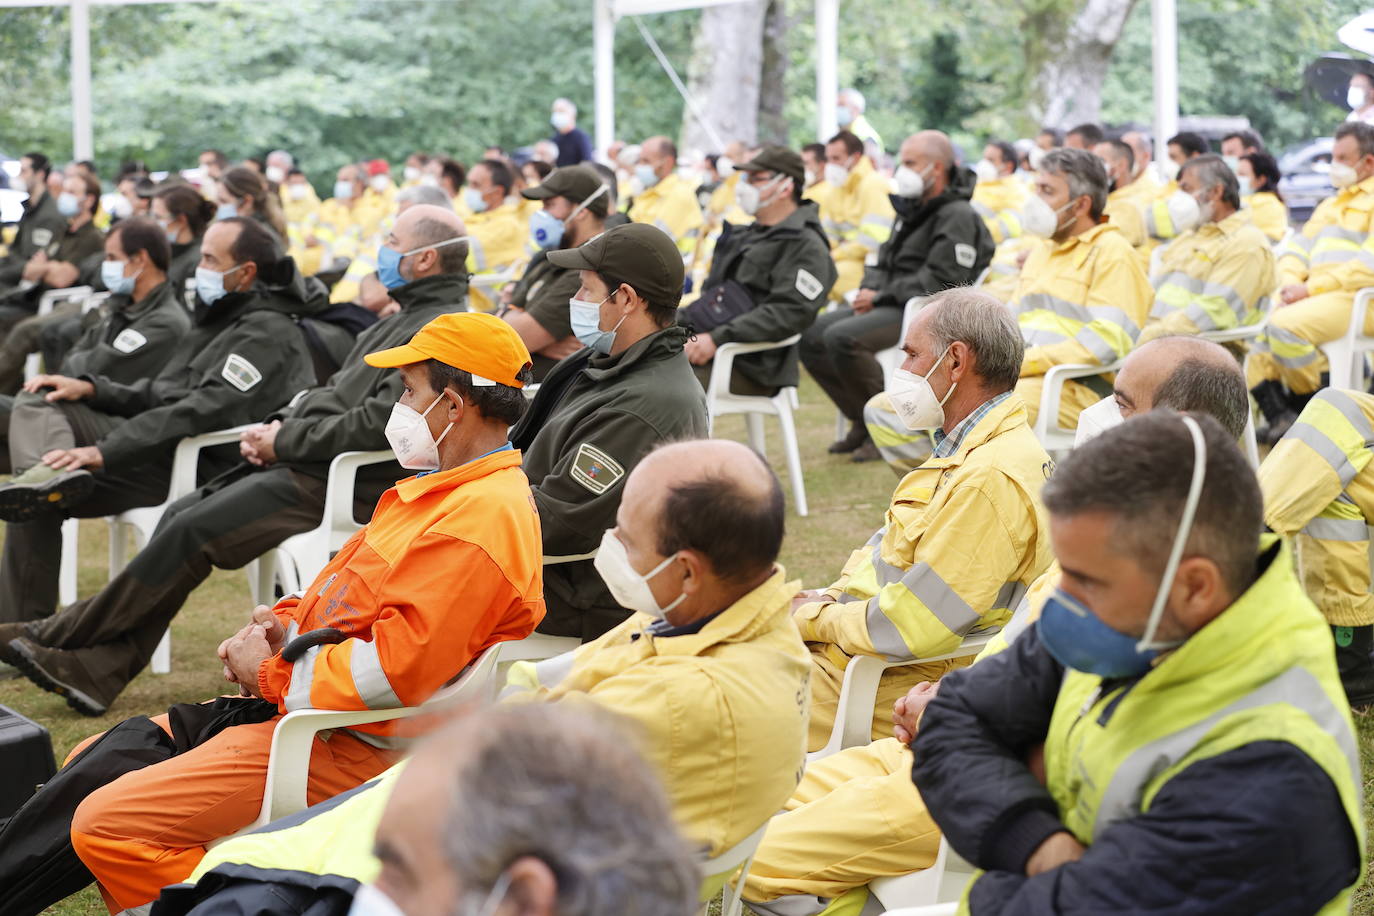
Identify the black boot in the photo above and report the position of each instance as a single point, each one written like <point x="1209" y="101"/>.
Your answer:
<point x="858" y="435"/>
<point x="1276" y="406"/>
<point x="1353" y="661"/>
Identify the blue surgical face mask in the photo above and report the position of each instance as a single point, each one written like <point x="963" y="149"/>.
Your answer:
<point x="226" y="211"/>
<point x="343" y="190"/>
<point x="172" y="234"/>
<point x="112" y="275"/>
<point x="210" y="284"/>
<point x="843" y="116"/>
<point x="585" y="317"/>
<point x="68" y="204"/>
<point x="1079" y="639"/>
<point x="547" y="230"/>
<point x="646" y="175"/>
<point x="389" y="261"/>
<point x="473" y="198"/>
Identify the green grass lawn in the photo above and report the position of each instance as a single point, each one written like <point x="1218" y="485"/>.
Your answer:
<point x="846" y="503"/>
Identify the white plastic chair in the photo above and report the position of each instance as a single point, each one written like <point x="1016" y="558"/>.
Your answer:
<point x="1053" y="437"/>
<point x="935" y="890"/>
<point x="66" y="576"/>
<point x="46" y="304"/>
<point x="720" y="401"/>
<point x="288" y="763"/>
<point x="859" y="692"/>
<point x="298" y="560"/>
<point x="143" y="520"/>
<point x="737" y="858"/>
<point x="1345" y="355"/>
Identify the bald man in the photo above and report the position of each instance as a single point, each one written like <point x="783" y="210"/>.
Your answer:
<point x="710" y="666"/>
<point x="938" y="241"/>
<point x="277" y="490"/>
<point x="856" y="816"/>
<point x="667" y="200"/>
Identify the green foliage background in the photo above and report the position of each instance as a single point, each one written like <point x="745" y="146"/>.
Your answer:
<point x="334" y="80"/>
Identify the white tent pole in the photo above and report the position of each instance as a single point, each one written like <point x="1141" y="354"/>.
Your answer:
<point x="827" y="66"/>
<point x="83" y="141"/>
<point x="1164" y="19"/>
<point x="603" y="41"/>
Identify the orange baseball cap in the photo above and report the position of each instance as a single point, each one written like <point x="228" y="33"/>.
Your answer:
<point x="475" y="342"/>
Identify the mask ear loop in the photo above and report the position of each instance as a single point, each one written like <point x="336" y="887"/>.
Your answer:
<point x="1185" y="528"/>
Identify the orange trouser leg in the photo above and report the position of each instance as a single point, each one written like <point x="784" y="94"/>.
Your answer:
<point x="148" y="828"/>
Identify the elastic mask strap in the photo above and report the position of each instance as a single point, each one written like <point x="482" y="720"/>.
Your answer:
<point x="932" y="372"/>
<point x="582" y="206"/>
<point x="453" y="241"/>
<point x="1185" y="528"/>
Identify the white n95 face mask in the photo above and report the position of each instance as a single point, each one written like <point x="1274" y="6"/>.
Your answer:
<point x="837" y="175"/>
<point x="629" y="589"/>
<point x="914" y="401"/>
<point x="1039" y="219"/>
<point x="1342" y="175"/>
<point x="985" y="170"/>
<point x="369" y="900"/>
<point x="909" y="182"/>
<point x="408" y="433"/>
<point x="1095" y="420"/>
<point x="1183" y="210"/>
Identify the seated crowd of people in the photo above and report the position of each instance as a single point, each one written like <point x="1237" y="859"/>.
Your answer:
<point x="1122" y="682"/>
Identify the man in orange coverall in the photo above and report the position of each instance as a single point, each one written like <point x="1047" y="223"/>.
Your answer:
<point x="449" y="565"/>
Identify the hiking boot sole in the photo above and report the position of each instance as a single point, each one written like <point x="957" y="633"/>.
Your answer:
<point x="23" y="503"/>
<point x="29" y="667"/>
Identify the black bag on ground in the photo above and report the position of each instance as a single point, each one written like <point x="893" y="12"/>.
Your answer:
<point x="38" y="866"/>
<point x="25" y="759"/>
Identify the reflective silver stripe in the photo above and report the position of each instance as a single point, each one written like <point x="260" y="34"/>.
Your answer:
<point x="944" y="602"/>
<point x="1097" y="344"/>
<point x="478" y="255"/>
<point x="1351" y="411"/>
<point x="884" y="571"/>
<point x="1299" y="244"/>
<point x="1288" y="337"/>
<point x="982" y="209"/>
<point x="552" y="671"/>
<point x="385" y="742"/>
<point x="1066" y="309"/>
<point x="1337" y="529"/>
<point x="1339" y="256"/>
<point x="1232" y="298"/>
<point x="1020" y="619"/>
<point x="1316" y="440"/>
<point x="293" y="630"/>
<point x="1042" y="336"/>
<point x="369" y="679"/>
<point x="1296" y="687"/>
<point x="1339" y="232"/>
<point x="302" y="677"/>
<point x="1011" y="595"/>
<point x="664" y="228"/>
<point x="1179" y="278"/>
<point x="883" y="633"/>
<point x="877" y="537"/>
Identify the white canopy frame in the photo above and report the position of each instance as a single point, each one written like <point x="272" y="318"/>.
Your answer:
<point x="1164" y="19"/>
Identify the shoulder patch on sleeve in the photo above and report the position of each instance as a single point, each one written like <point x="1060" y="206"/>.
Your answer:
<point x="42" y="237"/>
<point x="965" y="255"/>
<point x="240" y="373"/>
<point x="808" y="285"/>
<point x="128" y="341"/>
<point x="595" y="470"/>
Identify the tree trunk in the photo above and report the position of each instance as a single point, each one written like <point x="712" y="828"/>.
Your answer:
<point x="724" y="75"/>
<point x="1068" y="51"/>
<point x="773" y="92"/>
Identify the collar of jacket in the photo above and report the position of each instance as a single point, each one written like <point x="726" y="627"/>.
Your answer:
<point x="862" y="169"/>
<point x="1357" y="189"/>
<point x="806" y="214"/>
<point x="1274" y="603"/>
<point x="36" y="202"/>
<point x="1229" y="226"/>
<point x="1086" y="240"/>
<point x="666" y="185"/>
<point x="130" y="309"/>
<point x="507" y="208"/>
<point x="760" y="610"/>
<point x="662" y="344"/>
<point x="412" y="488"/>
<point x="1003" y="418"/>
<point x="441" y="288"/>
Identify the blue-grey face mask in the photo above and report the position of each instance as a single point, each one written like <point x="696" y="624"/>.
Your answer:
<point x="226" y="211"/>
<point x="585" y="318"/>
<point x="210" y="284"/>
<point x="1079" y="639"/>
<point x="112" y="275"/>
